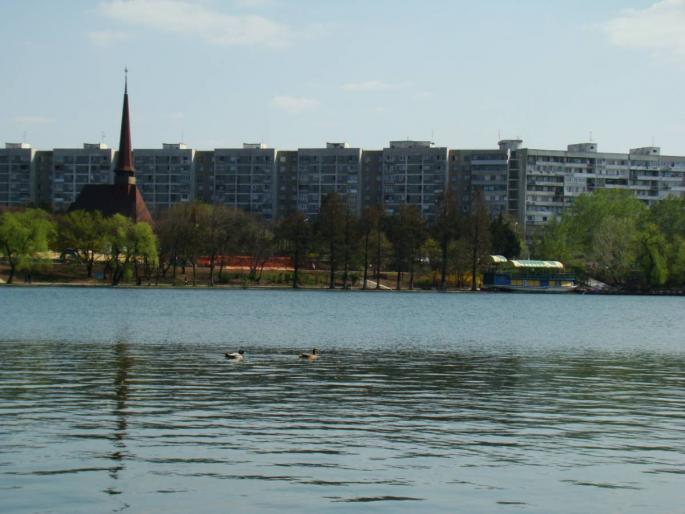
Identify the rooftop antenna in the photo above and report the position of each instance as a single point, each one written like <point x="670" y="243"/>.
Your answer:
<point x="182" y="135"/>
<point x="499" y="134"/>
<point x="591" y="136"/>
<point x="652" y="140"/>
<point x="102" y="136"/>
<point x="24" y="137"/>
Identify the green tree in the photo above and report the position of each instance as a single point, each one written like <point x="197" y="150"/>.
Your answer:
<point x="142" y="250"/>
<point x="614" y="249"/>
<point x="677" y="262"/>
<point x="259" y="245"/>
<point x="407" y="231"/>
<point x="653" y="258"/>
<point x="168" y="228"/>
<point x="434" y="255"/>
<point x="477" y="235"/>
<point x="349" y="243"/>
<point x="221" y="230"/>
<point x="117" y="237"/>
<point x="295" y="236"/>
<point x="83" y="233"/>
<point x="598" y="234"/>
<point x="505" y="239"/>
<point x="331" y="230"/>
<point x="25" y="237"/>
<point x="444" y="230"/>
<point x="133" y="248"/>
<point x="183" y="232"/>
<point x="669" y="216"/>
<point x="460" y="261"/>
<point x="194" y="234"/>
<point x="573" y="235"/>
<point x="370" y="230"/>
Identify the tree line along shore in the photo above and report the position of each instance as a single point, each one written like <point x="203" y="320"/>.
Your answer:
<point x="607" y="235"/>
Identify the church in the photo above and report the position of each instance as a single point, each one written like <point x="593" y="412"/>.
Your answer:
<point x="123" y="197"/>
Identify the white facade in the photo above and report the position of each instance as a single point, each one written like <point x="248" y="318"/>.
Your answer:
<point x="550" y="180"/>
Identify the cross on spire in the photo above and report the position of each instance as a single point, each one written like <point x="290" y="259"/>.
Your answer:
<point x="126" y="80"/>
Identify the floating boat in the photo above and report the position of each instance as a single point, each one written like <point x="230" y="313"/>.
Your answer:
<point x="528" y="276"/>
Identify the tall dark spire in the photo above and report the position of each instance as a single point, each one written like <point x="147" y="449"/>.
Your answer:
<point x="123" y="197"/>
<point x="124" y="173"/>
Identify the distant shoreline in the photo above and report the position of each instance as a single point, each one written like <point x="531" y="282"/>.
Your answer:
<point x="205" y="287"/>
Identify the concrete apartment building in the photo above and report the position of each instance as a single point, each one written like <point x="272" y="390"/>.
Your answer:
<point x="73" y="168"/>
<point x="165" y="176"/>
<point x="372" y="178"/>
<point x="245" y="178"/>
<point x="286" y="183"/>
<point x="414" y="173"/>
<point x="320" y="171"/>
<point x="534" y="186"/>
<point x="17" y="175"/>
<point x="204" y="175"/>
<point x="542" y="183"/>
<point x="43" y="181"/>
<point x="484" y="172"/>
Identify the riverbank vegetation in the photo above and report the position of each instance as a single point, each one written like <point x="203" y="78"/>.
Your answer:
<point x="613" y="237"/>
<point x="608" y="235"/>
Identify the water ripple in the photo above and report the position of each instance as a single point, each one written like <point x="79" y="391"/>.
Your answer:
<point x="94" y="425"/>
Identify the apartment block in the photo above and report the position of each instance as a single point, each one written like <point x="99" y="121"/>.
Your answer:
<point x="372" y="177"/>
<point x="320" y="171"/>
<point x="245" y="178"/>
<point x="204" y="174"/>
<point x="73" y="168"/>
<point x="286" y="181"/>
<point x="414" y="173"/>
<point x="17" y="175"/>
<point x="481" y="172"/>
<point x="165" y="176"/>
<point x="43" y="180"/>
<point x="545" y="182"/>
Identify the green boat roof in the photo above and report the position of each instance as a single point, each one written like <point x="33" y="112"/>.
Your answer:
<point x="536" y="264"/>
<point x="526" y="263"/>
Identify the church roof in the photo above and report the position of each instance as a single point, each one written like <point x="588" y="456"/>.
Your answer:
<point x="111" y="199"/>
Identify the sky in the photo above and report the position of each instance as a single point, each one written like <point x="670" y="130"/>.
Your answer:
<point x="300" y="73"/>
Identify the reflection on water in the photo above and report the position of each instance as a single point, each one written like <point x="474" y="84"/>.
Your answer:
<point x="95" y="427"/>
<point x="123" y="366"/>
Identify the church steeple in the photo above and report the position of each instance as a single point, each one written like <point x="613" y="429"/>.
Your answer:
<point x="123" y="197"/>
<point x="124" y="173"/>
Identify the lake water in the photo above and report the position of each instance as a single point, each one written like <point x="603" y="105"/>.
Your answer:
<point x="121" y="400"/>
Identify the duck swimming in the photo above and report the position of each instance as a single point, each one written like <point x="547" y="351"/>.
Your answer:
<point x="236" y="356"/>
<point x="310" y="356"/>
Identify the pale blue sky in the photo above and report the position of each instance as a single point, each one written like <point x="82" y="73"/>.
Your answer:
<point x="298" y="73"/>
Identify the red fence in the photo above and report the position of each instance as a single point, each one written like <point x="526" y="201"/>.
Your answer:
<point x="244" y="261"/>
